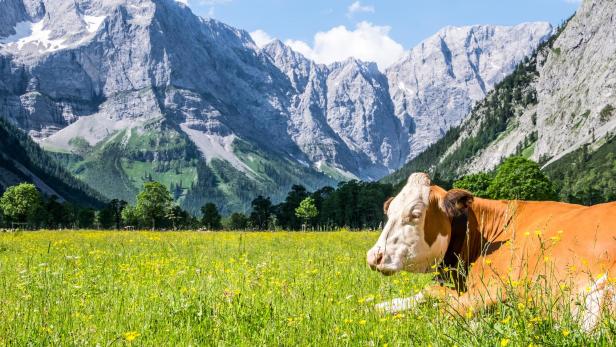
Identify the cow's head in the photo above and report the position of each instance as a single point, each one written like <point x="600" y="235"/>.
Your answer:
<point x="418" y="228"/>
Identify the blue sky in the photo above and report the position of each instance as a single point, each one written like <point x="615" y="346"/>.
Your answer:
<point x="394" y="24"/>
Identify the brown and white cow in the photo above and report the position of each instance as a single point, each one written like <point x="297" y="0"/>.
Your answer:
<point x="499" y="244"/>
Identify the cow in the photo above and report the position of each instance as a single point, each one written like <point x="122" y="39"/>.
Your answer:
<point x="496" y="246"/>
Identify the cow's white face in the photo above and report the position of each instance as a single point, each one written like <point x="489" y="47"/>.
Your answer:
<point x="404" y="243"/>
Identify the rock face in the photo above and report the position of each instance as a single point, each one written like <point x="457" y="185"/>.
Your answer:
<point x="341" y="114"/>
<point x="576" y="92"/>
<point x="577" y="87"/>
<point x="437" y="84"/>
<point x="560" y="100"/>
<point x="135" y="90"/>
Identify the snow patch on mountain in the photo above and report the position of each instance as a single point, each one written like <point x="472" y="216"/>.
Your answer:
<point x="28" y="33"/>
<point x="93" y="22"/>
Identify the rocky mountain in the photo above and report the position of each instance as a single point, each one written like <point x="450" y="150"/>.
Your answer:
<point x="125" y="91"/>
<point x="431" y="89"/>
<point x="342" y="113"/>
<point x="439" y="81"/>
<point x="557" y="108"/>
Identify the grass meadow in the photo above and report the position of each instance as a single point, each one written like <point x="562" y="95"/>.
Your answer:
<point x="236" y="289"/>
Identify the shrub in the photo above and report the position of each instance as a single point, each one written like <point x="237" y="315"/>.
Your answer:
<point x="477" y="184"/>
<point x="519" y="178"/>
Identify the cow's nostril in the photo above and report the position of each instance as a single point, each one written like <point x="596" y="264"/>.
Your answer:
<point x="379" y="258"/>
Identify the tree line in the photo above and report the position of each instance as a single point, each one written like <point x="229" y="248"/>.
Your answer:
<point x="353" y="204"/>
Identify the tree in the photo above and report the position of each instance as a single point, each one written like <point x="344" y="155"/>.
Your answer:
<point x="57" y="215"/>
<point x="261" y="210"/>
<point x="238" y="221"/>
<point x="105" y="218"/>
<point x="211" y="218"/>
<point x="285" y="212"/>
<point x="19" y="202"/>
<point x="153" y="204"/>
<point x="116" y="206"/>
<point x="180" y="218"/>
<point x="85" y="218"/>
<point x="477" y="184"/>
<point x="130" y="217"/>
<point x="520" y="178"/>
<point x="111" y="215"/>
<point x="306" y="210"/>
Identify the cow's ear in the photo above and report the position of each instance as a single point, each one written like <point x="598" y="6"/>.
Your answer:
<point x="386" y="205"/>
<point x="457" y="202"/>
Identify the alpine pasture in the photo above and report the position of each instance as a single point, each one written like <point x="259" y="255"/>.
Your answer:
<point x="238" y="289"/>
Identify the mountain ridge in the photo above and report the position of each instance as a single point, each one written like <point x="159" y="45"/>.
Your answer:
<point x="115" y="91"/>
<point x="556" y="108"/>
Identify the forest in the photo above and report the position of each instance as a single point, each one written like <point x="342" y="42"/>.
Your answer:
<point x="351" y="205"/>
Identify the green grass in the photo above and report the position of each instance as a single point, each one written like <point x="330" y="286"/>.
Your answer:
<point x="528" y="151"/>
<point x="179" y="172"/>
<point x="230" y="289"/>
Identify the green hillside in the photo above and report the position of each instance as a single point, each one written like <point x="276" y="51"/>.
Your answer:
<point x="587" y="175"/>
<point x="22" y="160"/>
<point x="118" y="166"/>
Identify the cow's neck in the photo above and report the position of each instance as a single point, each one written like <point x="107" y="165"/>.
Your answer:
<point x="486" y="228"/>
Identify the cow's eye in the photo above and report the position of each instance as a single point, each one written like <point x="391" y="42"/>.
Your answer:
<point x="411" y="218"/>
<point x="417" y="210"/>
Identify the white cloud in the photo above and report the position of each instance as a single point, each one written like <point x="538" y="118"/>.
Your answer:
<point x="367" y="42"/>
<point x="261" y="38"/>
<point x="357" y="7"/>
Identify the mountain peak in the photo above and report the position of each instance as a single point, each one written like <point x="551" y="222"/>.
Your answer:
<point x="467" y="62"/>
<point x="192" y="102"/>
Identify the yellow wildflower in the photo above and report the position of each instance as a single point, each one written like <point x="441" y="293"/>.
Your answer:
<point x="527" y="233"/>
<point x="131" y="335"/>
<point x="566" y="333"/>
<point x="505" y="342"/>
<point x="362" y="322"/>
<point x="469" y="313"/>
